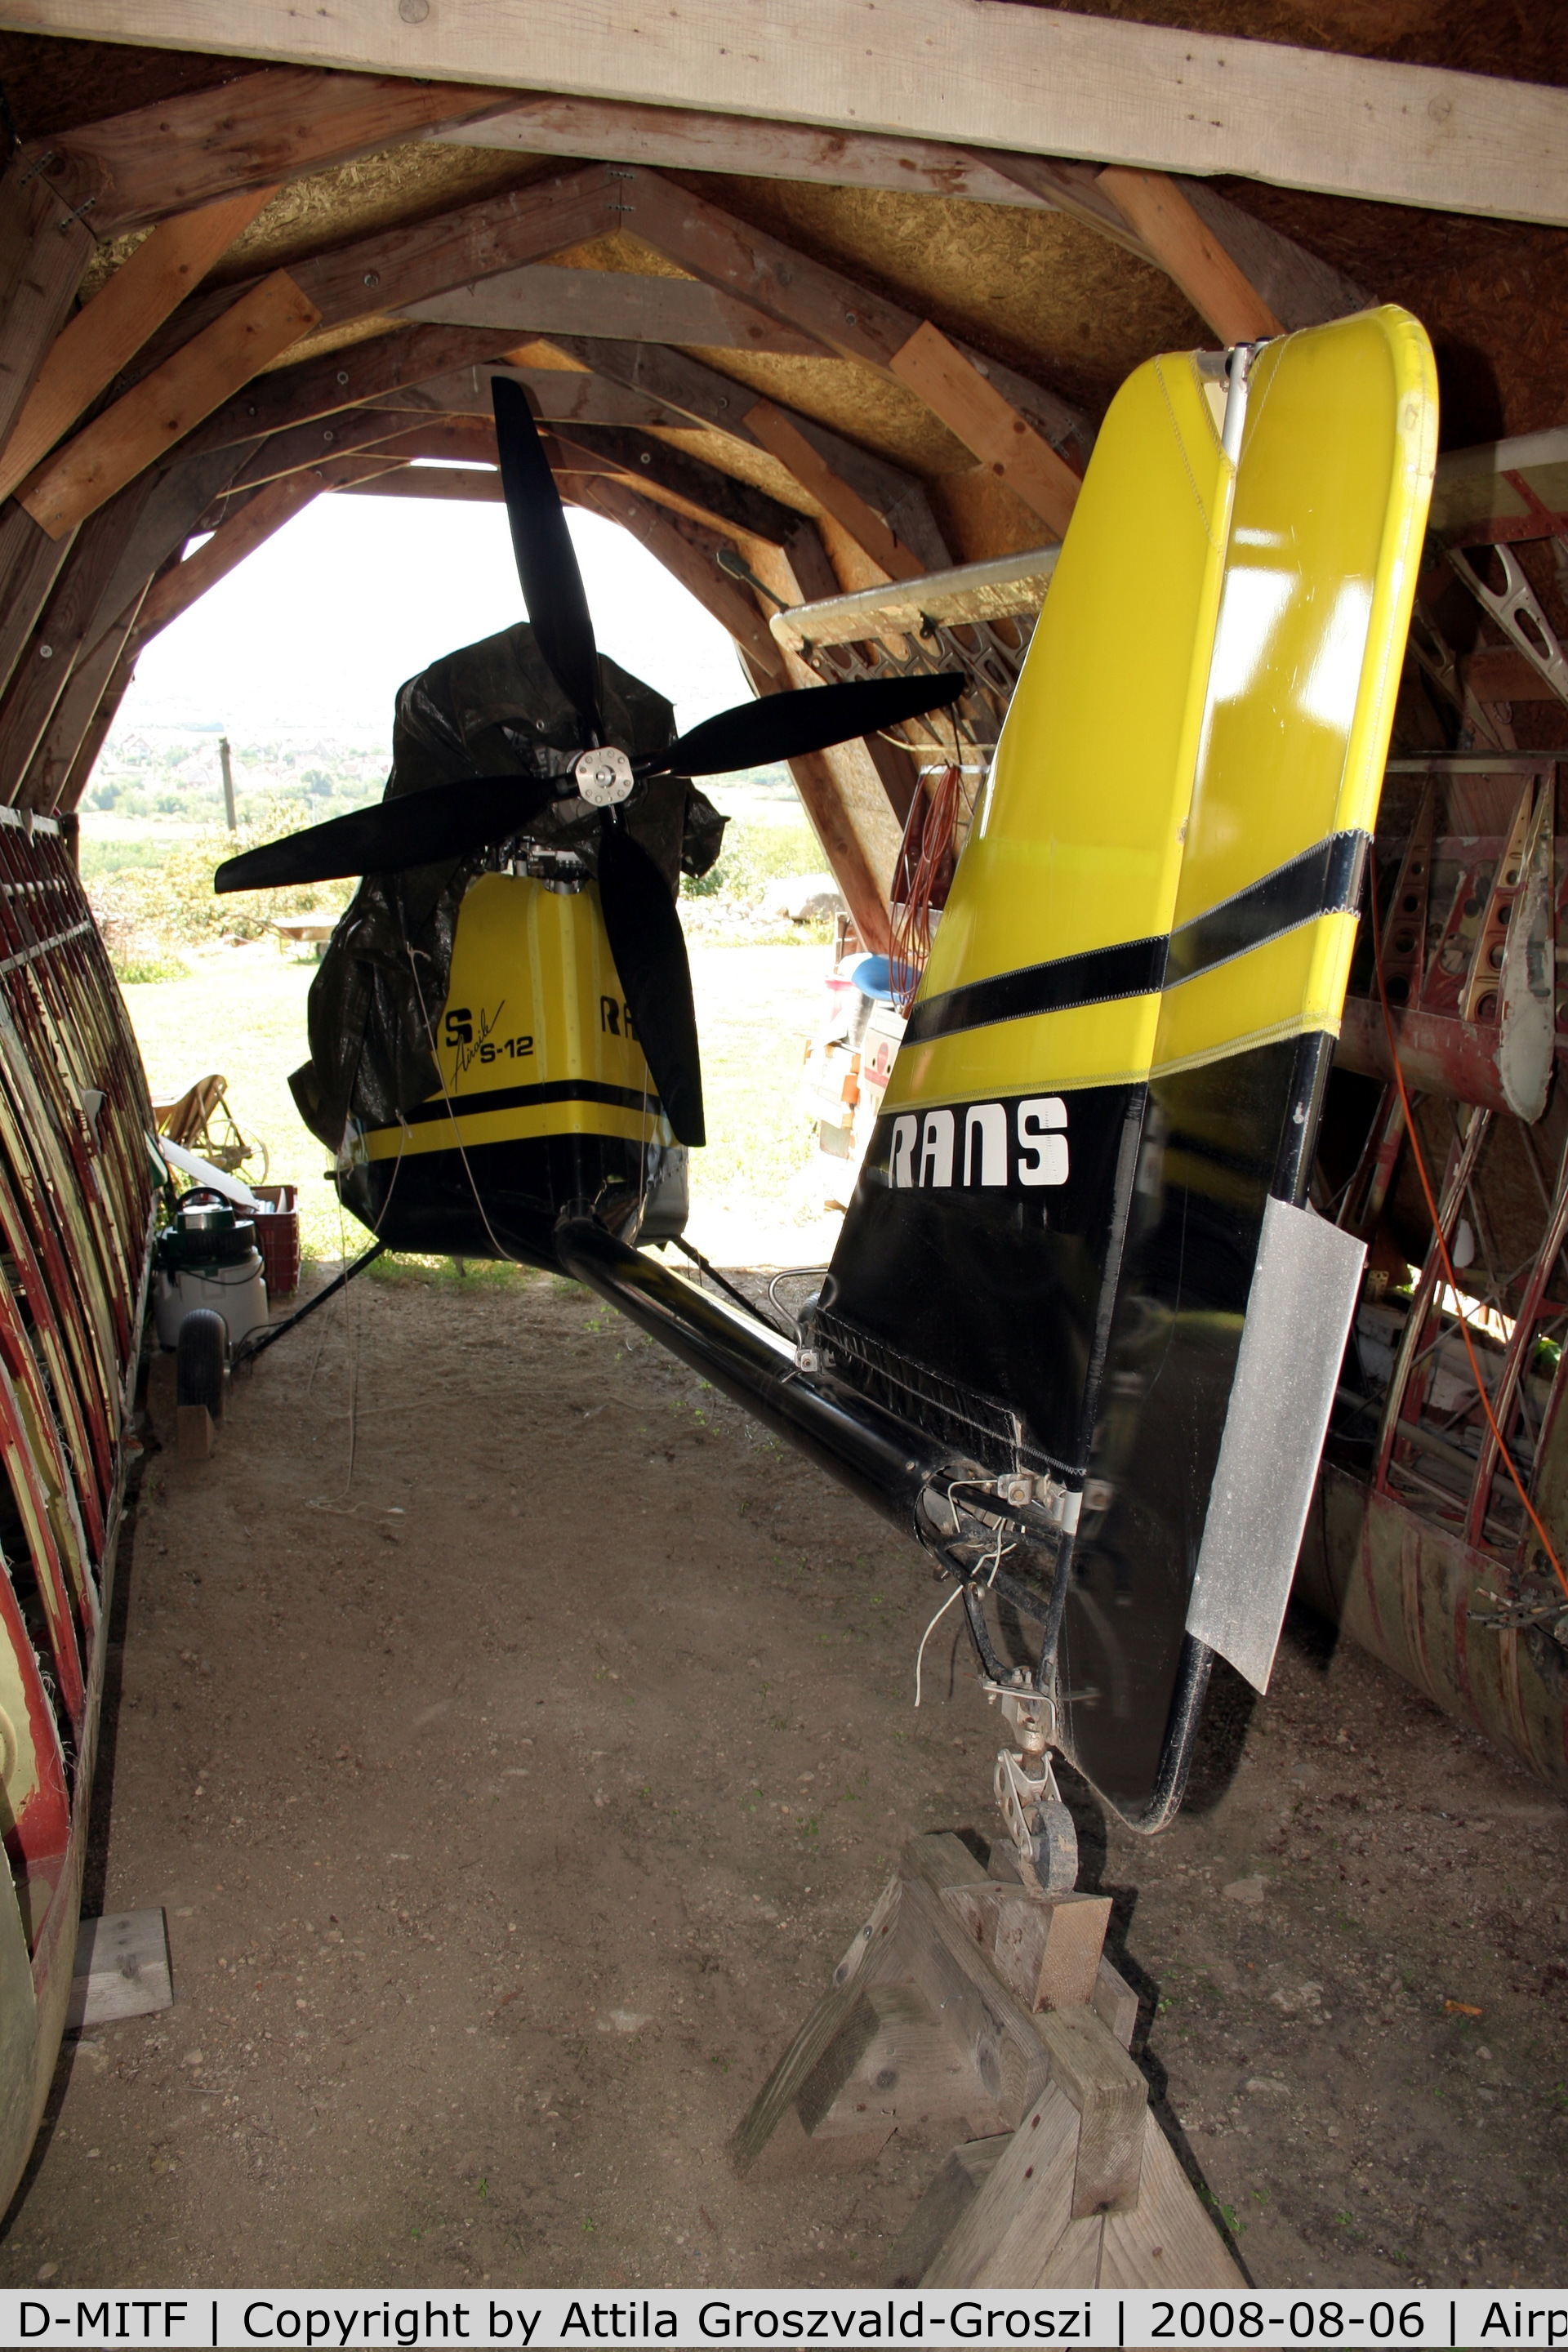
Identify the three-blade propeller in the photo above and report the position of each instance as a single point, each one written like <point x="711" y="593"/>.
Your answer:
<point x="453" y="820"/>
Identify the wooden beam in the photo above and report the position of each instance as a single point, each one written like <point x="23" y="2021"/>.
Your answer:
<point x="543" y="300"/>
<point x="1302" y="290"/>
<point x="107" y="332"/>
<point x="96" y="734"/>
<point x="716" y="500"/>
<point x="43" y="781"/>
<point x="159" y="410"/>
<point x="43" y="252"/>
<point x="62" y="631"/>
<point x="1155" y="208"/>
<point x="200" y="146"/>
<point x="312" y="445"/>
<point x="1035" y="79"/>
<point x="288" y="396"/>
<point x="709" y="398"/>
<point x="971" y="407"/>
<point x="406" y="264"/>
<point x="782" y="438"/>
<point x="690" y="554"/>
<point x="239" y="535"/>
<point x="451" y="440"/>
<point x="716" y="247"/>
<point x="675" y="139"/>
<point x="30" y="563"/>
<point x="382" y="273"/>
<point x="112" y="560"/>
<point x="557" y="396"/>
<point x="467" y="486"/>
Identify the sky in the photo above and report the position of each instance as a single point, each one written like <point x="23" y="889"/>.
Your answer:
<point x="323" y="623"/>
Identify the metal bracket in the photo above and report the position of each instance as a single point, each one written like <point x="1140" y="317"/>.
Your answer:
<point x="1516" y="612"/>
<point x="605" y="776"/>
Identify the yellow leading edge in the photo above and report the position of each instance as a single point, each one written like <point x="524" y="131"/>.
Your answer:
<point x="1209" y="695"/>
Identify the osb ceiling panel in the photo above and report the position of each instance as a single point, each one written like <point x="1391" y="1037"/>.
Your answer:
<point x="406" y="183"/>
<point x="1034" y="288"/>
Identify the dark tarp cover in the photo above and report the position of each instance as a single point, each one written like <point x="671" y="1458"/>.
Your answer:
<point x="489" y="709"/>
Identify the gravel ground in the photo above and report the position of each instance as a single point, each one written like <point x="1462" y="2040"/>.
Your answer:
<point x="516" y="1736"/>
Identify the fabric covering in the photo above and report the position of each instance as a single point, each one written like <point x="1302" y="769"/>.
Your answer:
<point x="489" y="709"/>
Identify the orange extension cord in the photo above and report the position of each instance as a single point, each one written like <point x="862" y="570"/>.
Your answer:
<point x="920" y="873"/>
<point x="1448" y="1263"/>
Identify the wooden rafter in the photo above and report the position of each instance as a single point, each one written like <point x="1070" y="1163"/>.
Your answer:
<point x="239" y="535"/>
<point x="1169" y="228"/>
<point x="155" y="413"/>
<point x="1034" y="80"/>
<point x="323" y="387"/>
<point x="970" y="404"/>
<point x="543" y="301"/>
<point x="204" y="146"/>
<point x="460" y="485"/>
<point x="716" y="500"/>
<point x="782" y="438"/>
<point x="108" y="331"/>
<point x="1300" y="288"/>
<point x="689" y="551"/>
<point x="43" y="253"/>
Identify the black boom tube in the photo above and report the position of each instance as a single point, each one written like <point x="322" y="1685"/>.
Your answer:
<point x="882" y="1460"/>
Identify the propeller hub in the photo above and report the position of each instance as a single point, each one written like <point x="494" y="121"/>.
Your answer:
<point x="603" y="777"/>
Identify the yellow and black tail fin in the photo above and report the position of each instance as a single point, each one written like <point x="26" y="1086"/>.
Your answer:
<point x="1115" y="1063"/>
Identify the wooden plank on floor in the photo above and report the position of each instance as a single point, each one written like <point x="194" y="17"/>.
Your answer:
<point x="122" y="1969"/>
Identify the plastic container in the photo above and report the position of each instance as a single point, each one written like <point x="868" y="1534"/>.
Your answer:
<point x="278" y="1238"/>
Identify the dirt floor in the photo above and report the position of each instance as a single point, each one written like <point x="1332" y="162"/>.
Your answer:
<point x="516" y="1737"/>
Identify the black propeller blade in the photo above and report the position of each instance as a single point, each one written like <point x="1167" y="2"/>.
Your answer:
<point x="413" y="829"/>
<point x="546" y="560"/>
<point x="784" y="726"/>
<point x="649" y="949"/>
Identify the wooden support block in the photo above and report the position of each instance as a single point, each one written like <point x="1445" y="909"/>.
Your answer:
<point x="1115" y="2003"/>
<point x="941" y="2208"/>
<point x="1112" y="2100"/>
<point x="1018" y="2231"/>
<point x="891" y="2063"/>
<point x="108" y="331"/>
<point x="1046" y="1948"/>
<point x="1167" y="2239"/>
<point x="159" y="410"/>
<point x="985" y="420"/>
<point x="194" y="1425"/>
<point x="766" y="2115"/>
<point x="122" y="1969"/>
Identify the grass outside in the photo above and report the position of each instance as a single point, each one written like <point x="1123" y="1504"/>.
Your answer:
<point x="241" y="1010"/>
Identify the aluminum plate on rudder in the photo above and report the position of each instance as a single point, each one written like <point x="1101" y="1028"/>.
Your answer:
<point x="1304" y="1287"/>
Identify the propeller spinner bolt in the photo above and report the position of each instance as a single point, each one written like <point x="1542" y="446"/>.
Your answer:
<point x="603" y="776"/>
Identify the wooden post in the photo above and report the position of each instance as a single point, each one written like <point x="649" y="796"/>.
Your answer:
<point x="43" y="252"/>
<point x="226" y="764"/>
<point x="1064" y="2177"/>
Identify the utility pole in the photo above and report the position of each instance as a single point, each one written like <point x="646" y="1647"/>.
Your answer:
<point x="227" y="783"/>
